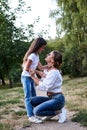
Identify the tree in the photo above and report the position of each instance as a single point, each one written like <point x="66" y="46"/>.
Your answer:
<point x="11" y="45"/>
<point x="72" y="18"/>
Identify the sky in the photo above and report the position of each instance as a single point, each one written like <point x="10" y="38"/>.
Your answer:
<point x="42" y="9"/>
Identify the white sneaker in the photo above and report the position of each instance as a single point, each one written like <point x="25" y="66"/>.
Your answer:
<point x="34" y="119"/>
<point x="46" y="118"/>
<point x="62" y="116"/>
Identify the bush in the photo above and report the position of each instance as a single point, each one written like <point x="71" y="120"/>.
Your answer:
<point x="81" y="117"/>
<point x="75" y="61"/>
<point x="16" y="75"/>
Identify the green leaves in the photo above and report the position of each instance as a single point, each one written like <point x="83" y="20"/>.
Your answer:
<point x="73" y="18"/>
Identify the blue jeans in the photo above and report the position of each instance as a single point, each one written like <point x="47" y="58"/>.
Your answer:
<point x="29" y="91"/>
<point x="46" y="106"/>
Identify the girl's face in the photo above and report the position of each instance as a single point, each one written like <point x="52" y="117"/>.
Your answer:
<point x="41" y="49"/>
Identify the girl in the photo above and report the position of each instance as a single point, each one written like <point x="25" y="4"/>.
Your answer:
<point x="31" y="62"/>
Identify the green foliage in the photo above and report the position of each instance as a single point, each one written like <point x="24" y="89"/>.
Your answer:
<point x="16" y="74"/>
<point x="57" y="44"/>
<point x="74" y="56"/>
<point x="65" y="64"/>
<point x="81" y="117"/>
<point x="75" y="60"/>
<point x="12" y="41"/>
<point x="72" y="21"/>
<point x="72" y="18"/>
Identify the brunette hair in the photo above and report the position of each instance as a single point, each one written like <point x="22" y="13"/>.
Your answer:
<point x="35" y="46"/>
<point x="57" y="59"/>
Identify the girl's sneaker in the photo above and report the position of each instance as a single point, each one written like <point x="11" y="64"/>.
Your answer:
<point x="34" y="119"/>
<point x="62" y="116"/>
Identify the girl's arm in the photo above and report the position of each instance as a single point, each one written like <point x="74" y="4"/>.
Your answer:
<point x="27" y="65"/>
<point x="40" y="73"/>
<point x="36" y="80"/>
<point x="42" y="67"/>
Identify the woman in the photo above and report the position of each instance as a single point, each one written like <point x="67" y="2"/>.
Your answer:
<point x="52" y="84"/>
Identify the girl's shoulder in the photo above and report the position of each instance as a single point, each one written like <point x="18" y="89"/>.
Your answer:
<point x="32" y="55"/>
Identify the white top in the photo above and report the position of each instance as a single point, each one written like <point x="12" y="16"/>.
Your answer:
<point x="35" y="59"/>
<point x="52" y="82"/>
<point x="45" y="71"/>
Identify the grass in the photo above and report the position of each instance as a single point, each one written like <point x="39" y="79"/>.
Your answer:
<point x="75" y="91"/>
<point x="5" y="127"/>
<point x="12" y="103"/>
<point x="81" y="117"/>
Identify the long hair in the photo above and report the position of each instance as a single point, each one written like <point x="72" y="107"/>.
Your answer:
<point x="35" y="46"/>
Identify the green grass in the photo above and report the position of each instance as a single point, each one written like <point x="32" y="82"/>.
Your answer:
<point x="5" y="127"/>
<point x="4" y="103"/>
<point x="75" y="91"/>
<point x="81" y="117"/>
<point x="20" y="113"/>
<point x="26" y="124"/>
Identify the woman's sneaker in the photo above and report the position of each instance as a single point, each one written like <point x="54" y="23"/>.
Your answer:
<point x="62" y="116"/>
<point x="34" y="119"/>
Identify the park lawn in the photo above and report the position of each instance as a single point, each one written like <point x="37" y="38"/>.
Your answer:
<point x="75" y="91"/>
<point x="12" y="110"/>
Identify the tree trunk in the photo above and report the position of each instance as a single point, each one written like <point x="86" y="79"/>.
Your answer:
<point x="7" y="71"/>
<point x="2" y="81"/>
<point x="10" y="81"/>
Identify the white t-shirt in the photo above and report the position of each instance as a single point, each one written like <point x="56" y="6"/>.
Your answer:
<point x="52" y="82"/>
<point x="35" y="59"/>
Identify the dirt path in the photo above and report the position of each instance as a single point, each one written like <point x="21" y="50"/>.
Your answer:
<point x="54" y="125"/>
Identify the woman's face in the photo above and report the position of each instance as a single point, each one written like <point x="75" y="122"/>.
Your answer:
<point x="49" y="57"/>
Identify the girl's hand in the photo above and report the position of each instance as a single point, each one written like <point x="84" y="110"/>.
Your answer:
<point x="32" y="72"/>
